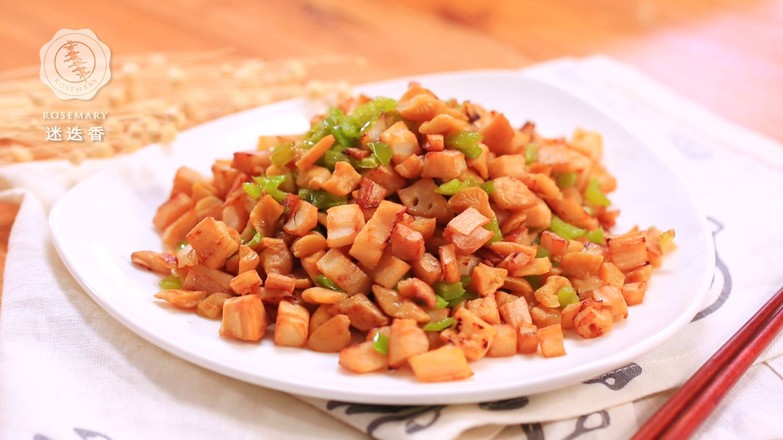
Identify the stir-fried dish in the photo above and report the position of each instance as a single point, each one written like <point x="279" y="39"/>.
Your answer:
<point x="419" y="233"/>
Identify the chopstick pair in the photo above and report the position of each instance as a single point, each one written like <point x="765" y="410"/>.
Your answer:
<point x="698" y="397"/>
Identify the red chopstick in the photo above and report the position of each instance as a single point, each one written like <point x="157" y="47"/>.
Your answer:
<point x="687" y="409"/>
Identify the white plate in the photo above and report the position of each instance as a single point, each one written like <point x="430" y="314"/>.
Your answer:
<point x="101" y="221"/>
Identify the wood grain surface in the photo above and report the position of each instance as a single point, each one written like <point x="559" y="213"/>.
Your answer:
<point x="726" y="55"/>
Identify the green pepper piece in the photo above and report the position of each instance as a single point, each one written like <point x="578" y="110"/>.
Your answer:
<point x="531" y="153"/>
<point x="316" y="133"/>
<point x="565" y="180"/>
<point x="465" y="141"/>
<point x="594" y="195"/>
<point x="255" y="240"/>
<point x="565" y="230"/>
<point x="380" y="343"/>
<point x="596" y="236"/>
<point x="488" y="187"/>
<point x="451" y="187"/>
<point x="270" y="184"/>
<point x="332" y="156"/>
<point x="283" y="154"/>
<point x="171" y="282"/>
<point x="349" y="130"/>
<point x="381" y="151"/>
<point x="364" y="115"/>
<point x="322" y="200"/>
<point x="443" y="324"/>
<point x="494" y="228"/>
<point x="252" y="190"/>
<point x="462" y="299"/>
<point x="327" y="283"/>
<point x="341" y="128"/>
<point x="541" y="252"/>
<point x="441" y="303"/>
<point x="449" y="291"/>
<point x="366" y="163"/>
<point x="567" y="295"/>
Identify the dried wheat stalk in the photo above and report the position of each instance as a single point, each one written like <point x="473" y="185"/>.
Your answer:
<point x="149" y="99"/>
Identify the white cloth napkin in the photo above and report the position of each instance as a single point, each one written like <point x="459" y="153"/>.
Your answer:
<point x="68" y="370"/>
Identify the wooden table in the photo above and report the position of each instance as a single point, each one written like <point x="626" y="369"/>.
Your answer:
<point x="724" y="54"/>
